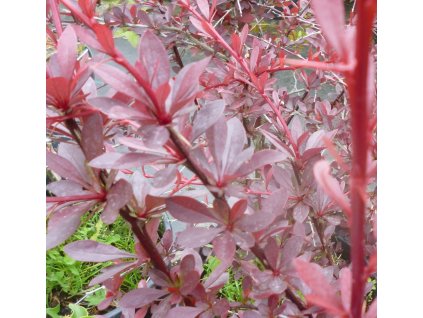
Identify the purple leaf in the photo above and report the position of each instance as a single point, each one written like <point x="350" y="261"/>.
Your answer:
<point x="65" y="222"/>
<point x="186" y="312"/>
<point x="322" y="293"/>
<point x="255" y="222"/>
<point x="88" y="37"/>
<point x="64" y="168"/>
<point x="197" y="236"/>
<point x="92" y="136"/>
<point x="216" y="138"/>
<point x="291" y="249"/>
<point x="186" y="84"/>
<point x="154" y="136"/>
<point x="92" y="251"/>
<point x="188" y="210"/>
<point x="279" y="145"/>
<point x="330" y="185"/>
<point x="203" y="5"/>
<point x="76" y="157"/>
<point x="224" y="249"/>
<point x="260" y="159"/>
<point x="153" y="61"/>
<point x="300" y="212"/>
<point x="66" y="52"/>
<point x="110" y="271"/>
<point x="207" y="117"/>
<point x="272" y="253"/>
<point x="118" y="195"/>
<point x="234" y="144"/>
<point x="164" y="177"/>
<point x="330" y="15"/>
<point x="66" y="188"/>
<point x="141" y="297"/>
<point x="116" y="160"/>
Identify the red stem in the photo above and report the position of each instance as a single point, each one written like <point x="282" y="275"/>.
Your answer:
<point x="94" y="196"/>
<point x="357" y="84"/>
<point x="56" y="17"/>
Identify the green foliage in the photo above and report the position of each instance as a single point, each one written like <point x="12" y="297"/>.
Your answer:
<point x="371" y="295"/>
<point x="67" y="279"/>
<point x="53" y="312"/>
<point x="95" y="298"/>
<point x="129" y="35"/>
<point x="232" y="290"/>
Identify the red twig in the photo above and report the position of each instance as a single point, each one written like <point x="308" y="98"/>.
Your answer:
<point x="56" y="16"/>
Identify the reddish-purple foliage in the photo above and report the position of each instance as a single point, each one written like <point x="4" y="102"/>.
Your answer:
<point x="274" y="178"/>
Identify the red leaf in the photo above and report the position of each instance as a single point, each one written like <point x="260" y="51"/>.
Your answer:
<point x="330" y="15"/>
<point x="189" y="210"/>
<point x="244" y="34"/>
<point x="345" y="280"/>
<point x="118" y="195"/>
<point x="236" y="43"/>
<point x="141" y="297"/>
<point x="153" y="61"/>
<point x="203" y="5"/>
<point x="330" y="185"/>
<point x="92" y="251"/>
<point x="120" y="81"/>
<point x="65" y="222"/>
<point x="58" y="92"/>
<point x="105" y="38"/>
<point x="186" y="85"/>
<point x="199" y="25"/>
<point x="67" y="52"/>
<point x="88" y="37"/>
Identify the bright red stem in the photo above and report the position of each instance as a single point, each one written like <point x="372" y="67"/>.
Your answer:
<point x="357" y="85"/>
<point x="56" y="17"/>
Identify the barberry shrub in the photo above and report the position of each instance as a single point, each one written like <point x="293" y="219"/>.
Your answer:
<point x="276" y="181"/>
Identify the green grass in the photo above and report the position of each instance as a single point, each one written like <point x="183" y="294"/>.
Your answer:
<point x="67" y="280"/>
<point x="232" y="290"/>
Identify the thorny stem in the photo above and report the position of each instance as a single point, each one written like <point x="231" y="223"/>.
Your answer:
<point x="147" y="243"/>
<point x="325" y="249"/>
<point x="358" y="87"/>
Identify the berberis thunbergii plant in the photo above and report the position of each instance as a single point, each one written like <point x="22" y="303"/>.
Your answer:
<point x="278" y="184"/>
